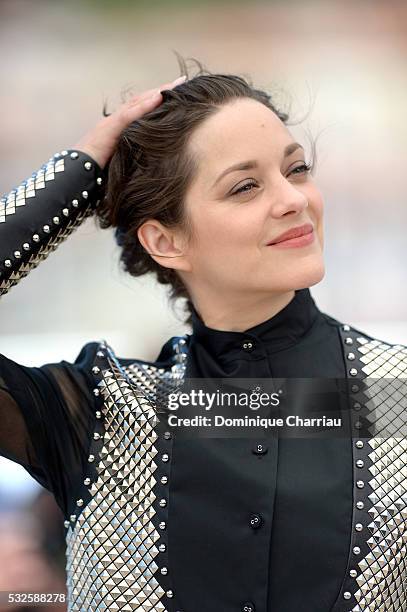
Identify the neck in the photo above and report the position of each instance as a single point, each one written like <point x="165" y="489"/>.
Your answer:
<point x="239" y="313"/>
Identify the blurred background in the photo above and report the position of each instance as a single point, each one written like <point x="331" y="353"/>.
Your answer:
<point x="340" y="64"/>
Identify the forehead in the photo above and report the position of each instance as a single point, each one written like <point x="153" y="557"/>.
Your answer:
<point x="243" y="127"/>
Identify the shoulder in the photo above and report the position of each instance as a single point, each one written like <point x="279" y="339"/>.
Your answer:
<point x="377" y="357"/>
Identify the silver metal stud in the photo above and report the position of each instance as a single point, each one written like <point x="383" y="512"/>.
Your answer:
<point x="360" y="484"/>
<point x="360" y="505"/>
<point x="26" y="246"/>
<point x="167" y="435"/>
<point x="100" y="354"/>
<point x="91" y="458"/>
<point x="96" y="392"/>
<point x="353" y="371"/>
<point x="162" y="548"/>
<point x="88" y="165"/>
<point x="170" y="594"/>
<point x="65" y="212"/>
<point x="95" y="370"/>
<point x="55" y="220"/>
<point x="347" y="595"/>
<point x="96" y="436"/>
<point x="348" y="340"/>
<point x="164" y="571"/>
<point x="356" y="550"/>
<point x="87" y="481"/>
<point x="7" y="263"/>
<point x="64" y="152"/>
<point x="73" y="518"/>
<point x="358" y="526"/>
<point x="85" y="195"/>
<point x="165" y="457"/>
<point x="74" y="155"/>
<point x="164" y="479"/>
<point x="99" y="180"/>
<point x="351" y="356"/>
<point x="162" y="525"/>
<point x="79" y="502"/>
<point x="75" y="203"/>
<point x="356" y="406"/>
<point x="163" y="503"/>
<point x="36" y="238"/>
<point x="67" y="524"/>
<point x="346" y="328"/>
<point x="17" y="254"/>
<point x="360" y="463"/>
<point x="353" y="573"/>
<point x="98" y="414"/>
<point x="359" y="444"/>
<point x="46" y="229"/>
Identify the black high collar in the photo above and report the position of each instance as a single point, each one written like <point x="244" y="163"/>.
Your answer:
<point x="280" y="331"/>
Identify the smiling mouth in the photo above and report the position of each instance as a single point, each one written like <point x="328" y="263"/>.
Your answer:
<point x="304" y="239"/>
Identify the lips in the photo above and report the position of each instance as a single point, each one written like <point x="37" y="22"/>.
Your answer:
<point x="294" y="232"/>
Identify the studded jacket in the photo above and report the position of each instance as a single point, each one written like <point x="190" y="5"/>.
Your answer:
<point x="118" y="502"/>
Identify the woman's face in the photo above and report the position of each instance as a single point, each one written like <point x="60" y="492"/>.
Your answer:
<point x="236" y="213"/>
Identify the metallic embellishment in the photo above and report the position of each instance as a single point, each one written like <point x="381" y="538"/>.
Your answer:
<point x="351" y="356"/>
<point x="87" y="481"/>
<point x="360" y="484"/>
<point x="360" y="463"/>
<point x="346" y="328"/>
<point x="26" y="246"/>
<point x="170" y="594"/>
<point x="113" y="552"/>
<point x="85" y="195"/>
<point x="98" y="414"/>
<point x="65" y="212"/>
<point x="67" y="524"/>
<point x="353" y="573"/>
<point x="88" y="165"/>
<point x="165" y="457"/>
<point x="99" y="180"/>
<point x="74" y="155"/>
<point x="356" y="550"/>
<point x="91" y="458"/>
<point x="7" y="263"/>
<point x="381" y="580"/>
<point x="347" y="595"/>
<point x="96" y="392"/>
<point x="79" y="502"/>
<point x="95" y="370"/>
<point x="96" y="436"/>
<point x="46" y="229"/>
<point x="357" y="406"/>
<point x="358" y="526"/>
<point x="56" y="220"/>
<point x="17" y="254"/>
<point x="36" y="238"/>
<point x="75" y="203"/>
<point x="348" y="341"/>
<point x="353" y="371"/>
<point x="355" y="388"/>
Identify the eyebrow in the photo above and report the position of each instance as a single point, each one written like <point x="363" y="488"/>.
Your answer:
<point x="248" y="165"/>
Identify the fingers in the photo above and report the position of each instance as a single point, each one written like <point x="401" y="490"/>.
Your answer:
<point x="143" y="103"/>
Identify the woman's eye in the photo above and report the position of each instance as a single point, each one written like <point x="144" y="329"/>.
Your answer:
<point x="247" y="187"/>
<point x="303" y="168"/>
<point x="243" y="188"/>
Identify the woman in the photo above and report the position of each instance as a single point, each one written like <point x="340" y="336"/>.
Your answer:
<point x="207" y="190"/>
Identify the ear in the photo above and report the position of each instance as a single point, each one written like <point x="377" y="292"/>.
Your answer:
<point x="166" y="246"/>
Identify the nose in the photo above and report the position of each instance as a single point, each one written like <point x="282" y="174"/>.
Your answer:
<point x="287" y="199"/>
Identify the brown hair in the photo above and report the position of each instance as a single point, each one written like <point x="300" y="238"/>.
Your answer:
<point x="150" y="170"/>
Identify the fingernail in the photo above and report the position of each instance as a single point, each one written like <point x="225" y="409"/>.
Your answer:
<point x="180" y="80"/>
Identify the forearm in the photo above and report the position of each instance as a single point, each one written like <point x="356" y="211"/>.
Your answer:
<point x="44" y="210"/>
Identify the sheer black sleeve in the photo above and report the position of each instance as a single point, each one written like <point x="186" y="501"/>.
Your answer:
<point x="46" y="414"/>
<point x="46" y="411"/>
